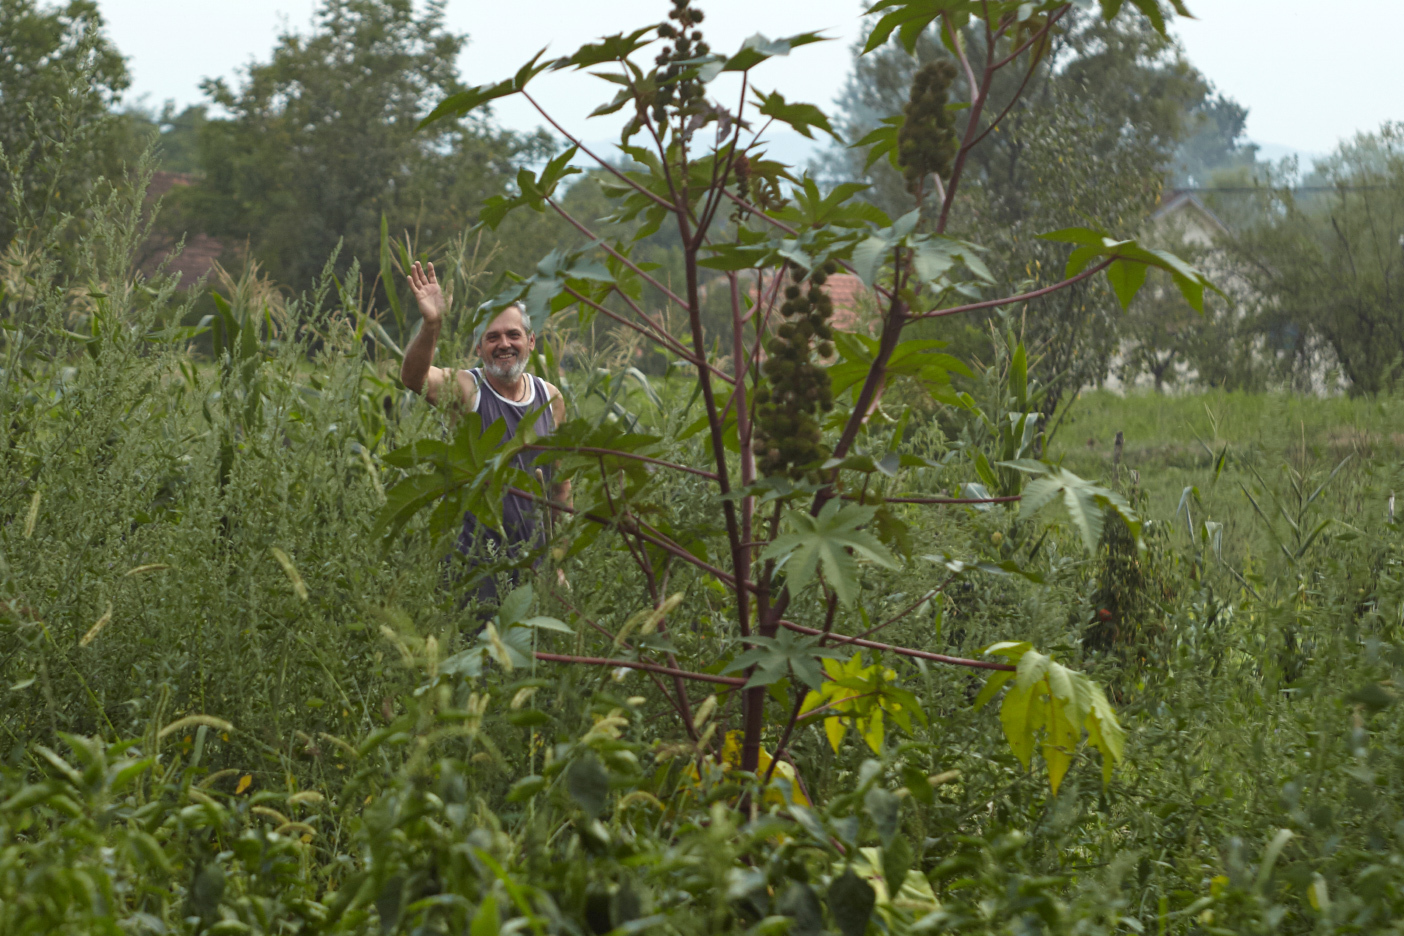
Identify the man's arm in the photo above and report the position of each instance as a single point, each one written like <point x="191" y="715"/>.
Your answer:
<point x="417" y="371"/>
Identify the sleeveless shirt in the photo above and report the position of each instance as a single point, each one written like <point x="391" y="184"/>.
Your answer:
<point x="519" y="515"/>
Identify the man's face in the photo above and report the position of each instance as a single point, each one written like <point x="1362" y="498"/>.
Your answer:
<point x="507" y="345"/>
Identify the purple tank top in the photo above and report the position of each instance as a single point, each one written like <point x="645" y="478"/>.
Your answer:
<point x="518" y="514"/>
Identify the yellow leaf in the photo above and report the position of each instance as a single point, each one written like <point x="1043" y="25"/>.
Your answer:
<point x="873" y="732"/>
<point x="143" y="569"/>
<point x="244" y="783"/>
<point x="835" y="729"/>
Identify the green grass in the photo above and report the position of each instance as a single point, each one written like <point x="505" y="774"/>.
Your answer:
<point x="1173" y="443"/>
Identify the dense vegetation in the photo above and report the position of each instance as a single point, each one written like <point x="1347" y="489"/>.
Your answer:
<point x="243" y="692"/>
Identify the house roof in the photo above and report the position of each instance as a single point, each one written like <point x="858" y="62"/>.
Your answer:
<point x="1182" y="201"/>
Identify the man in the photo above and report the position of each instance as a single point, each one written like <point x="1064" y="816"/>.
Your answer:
<point x="500" y="389"/>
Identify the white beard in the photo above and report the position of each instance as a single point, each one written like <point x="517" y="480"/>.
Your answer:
<point x="509" y="373"/>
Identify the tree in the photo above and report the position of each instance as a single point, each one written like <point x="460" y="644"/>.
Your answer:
<point x="321" y="142"/>
<point x="1119" y="94"/>
<point x="783" y="493"/>
<point x="1326" y="264"/>
<point x="59" y="79"/>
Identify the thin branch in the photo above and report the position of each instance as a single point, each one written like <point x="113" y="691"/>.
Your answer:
<point x="640" y="665"/>
<point x="903" y="651"/>
<point x="944" y="500"/>
<point x="1034" y="38"/>
<point x="960" y="54"/>
<point x="799" y="697"/>
<point x="1022" y="297"/>
<point x="586" y="150"/>
<point x="657" y="540"/>
<point x="662" y="338"/>
<point x="672" y="296"/>
<point x="586" y="450"/>
<point x="753" y="209"/>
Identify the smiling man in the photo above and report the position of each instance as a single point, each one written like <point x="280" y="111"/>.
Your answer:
<point x="500" y="389"/>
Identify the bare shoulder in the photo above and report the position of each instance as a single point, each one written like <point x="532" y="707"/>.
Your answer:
<point x="553" y="396"/>
<point x="463" y="389"/>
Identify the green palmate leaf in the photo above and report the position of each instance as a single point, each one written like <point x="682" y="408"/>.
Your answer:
<point x="532" y="190"/>
<point x="757" y="49"/>
<point x="824" y="543"/>
<point x="458" y="105"/>
<point x="882" y="141"/>
<point x="609" y="49"/>
<point x="799" y="116"/>
<point x="587" y="781"/>
<point x="1086" y="503"/>
<point x="919" y="359"/>
<point x="910" y="18"/>
<point x="1050" y="706"/>
<point x="851" y="901"/>
<point x="776" y="657"/>
<point x="470" y="474"/>
<point x="811" y="208"/>
<point x="1130" y="263"/>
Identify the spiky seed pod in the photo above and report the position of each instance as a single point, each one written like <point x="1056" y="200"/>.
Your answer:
<point x="688" y="96"/>
<point x="926" y="144"/>
<point x="789" y="436"/>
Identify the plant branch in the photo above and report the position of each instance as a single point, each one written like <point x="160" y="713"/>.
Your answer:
<point x="586" y="150"/>
<point x="902" y="651"/>
<point x="944" y="500"/>
<point x="640" y="665"/>
<point x="662" y="338"/>
<point x="586" y="450"/>
<point x="672" y="296"/>
<point x="1022" y="297"/>
<point x="800" y="696"/>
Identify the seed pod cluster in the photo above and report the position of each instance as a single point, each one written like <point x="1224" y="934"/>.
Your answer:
<point x="689" y="95"/>
<point x="926" y="144"/>
<point x="796" y="389"/>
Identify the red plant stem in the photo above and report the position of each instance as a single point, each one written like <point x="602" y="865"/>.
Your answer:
<point x="977" y="106"/>
<point x="662" y="543"/>
<point x="658" y="326"/>
<point x="945" y="500"/>
<point x="1034" y="38"/>
<point x="793" y="233"/>
<point x="960" y="54"/>
<point x="892" y="325"/>
<point x="1033" y="66"/>
<point x="903" y="651"/>
<point x="800" y="696"/>
<point x="640" y="665"/>
<point x="617" y="454"/>
<point x="754" y="708"/>
<point x="659" y="337"/>
<point x="682" y="705"/>
<point x="1022" y="297"/>
<point x="672" y="296"/>
<point x="584" y="149"/>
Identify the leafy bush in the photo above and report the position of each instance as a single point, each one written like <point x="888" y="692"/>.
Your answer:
<point x="244" y="693"/>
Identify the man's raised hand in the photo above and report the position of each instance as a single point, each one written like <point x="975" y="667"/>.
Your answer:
<point x="425" y="286"/>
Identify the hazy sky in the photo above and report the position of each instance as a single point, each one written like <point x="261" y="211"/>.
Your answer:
<point x="1308" y="79"/>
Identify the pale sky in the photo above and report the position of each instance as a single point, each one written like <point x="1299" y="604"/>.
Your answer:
<point x="1308" y="79"/>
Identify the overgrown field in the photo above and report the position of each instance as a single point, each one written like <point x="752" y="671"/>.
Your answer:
<point x="837" y="634"/>
<point x="232" y="706"/>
